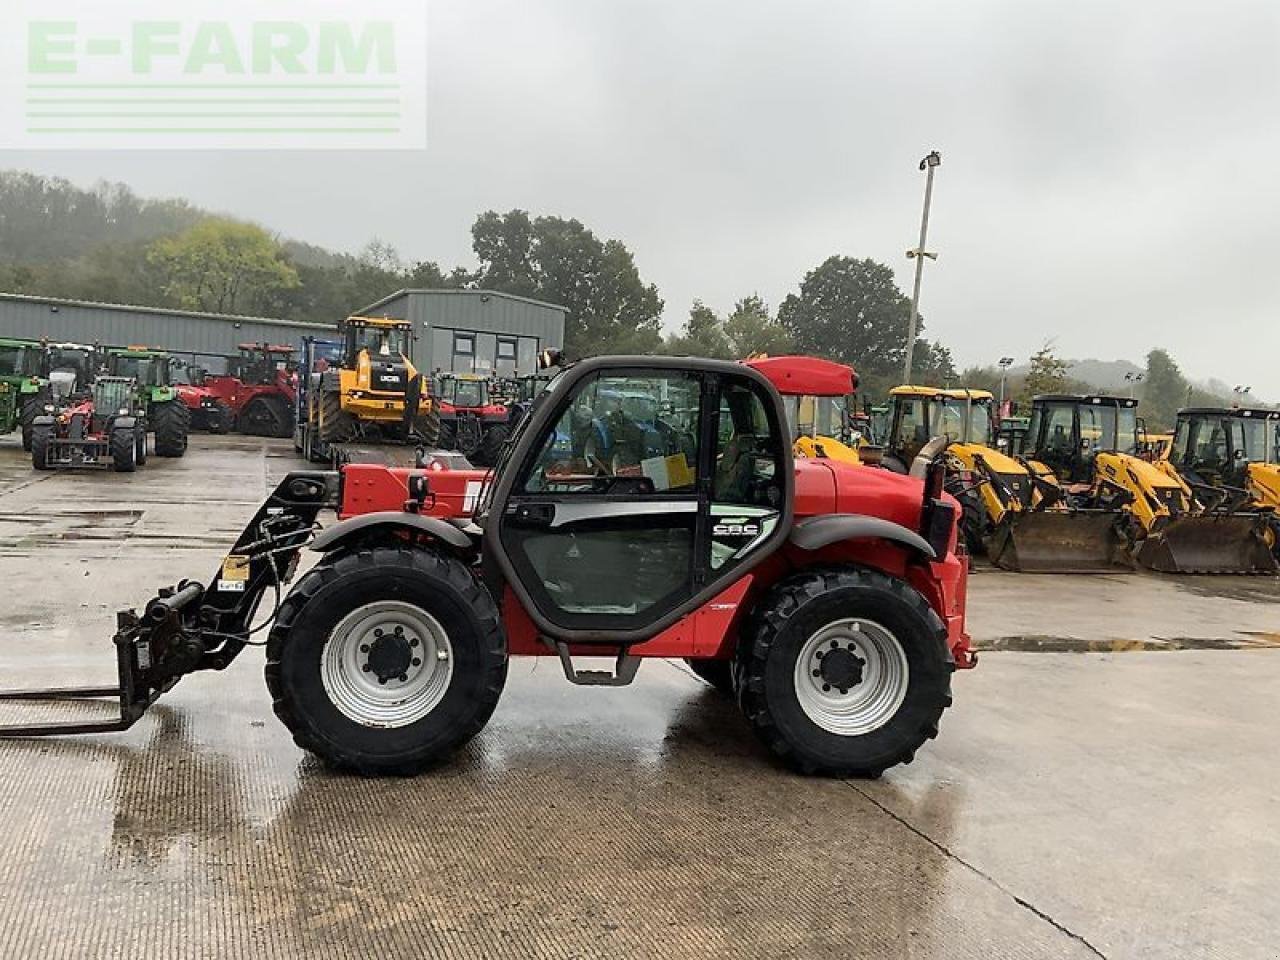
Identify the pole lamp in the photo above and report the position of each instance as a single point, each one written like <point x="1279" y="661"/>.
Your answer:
<point x="929" y="164"/>
<point x="1005" y="364"/>
<point x="1133" y="379"/>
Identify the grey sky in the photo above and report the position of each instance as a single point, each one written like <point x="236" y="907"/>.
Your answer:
<point x="1108" y="178"/>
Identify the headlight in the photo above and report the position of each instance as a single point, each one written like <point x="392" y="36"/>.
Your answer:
<point x="123" y="412"/>
<point x="49" y="408"/>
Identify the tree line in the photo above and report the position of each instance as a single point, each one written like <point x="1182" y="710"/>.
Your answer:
<point x="108" y="244"/>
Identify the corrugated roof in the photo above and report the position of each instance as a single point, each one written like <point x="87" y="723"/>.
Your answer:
<point x="470" y="293"/>
<point x="162" y="311"/>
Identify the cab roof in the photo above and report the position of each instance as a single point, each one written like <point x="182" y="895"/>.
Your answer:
<point x="796" y="376"/>
<point x="393" y="322"/>
<point x="1259" y="413"/>
<point x="910" y="390"/>
<point x="1086" y="399"/>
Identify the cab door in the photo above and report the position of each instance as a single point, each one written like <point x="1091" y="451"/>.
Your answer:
<point x="637" y="493"/>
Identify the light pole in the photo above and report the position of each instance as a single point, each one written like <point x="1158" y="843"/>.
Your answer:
<point x="929" y="164"/>
<point x="1005" y="364"/>
<point x="1133" y="379"/>
<point x="1242" y="394"/>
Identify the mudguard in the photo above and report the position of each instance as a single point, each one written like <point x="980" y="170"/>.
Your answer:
<point x="438" y="529"/>
<point x="817" y="532"/>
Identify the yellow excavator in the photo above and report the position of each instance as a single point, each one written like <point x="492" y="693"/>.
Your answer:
<point x="373" y="391"/>
<point x="1088" y="446"/>
<point x="1232" y="455"/>
<point x="1013" y="512"/>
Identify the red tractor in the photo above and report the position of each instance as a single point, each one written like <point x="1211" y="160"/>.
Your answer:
<point x="472" y="420"/>
<point x="829" y="599"/>
<point x="209" y="412"/>
<point x="259" y="388"/>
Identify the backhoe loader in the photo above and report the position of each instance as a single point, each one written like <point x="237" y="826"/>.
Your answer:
<point x="1232" y="453"/>
<point x="1089" y="445"/>
<point x="1013" y="512"/>
<point x="373" y="392"/>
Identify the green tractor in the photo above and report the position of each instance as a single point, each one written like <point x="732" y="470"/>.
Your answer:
<point x="164" y="413"/>
<point x="21" y="396"/>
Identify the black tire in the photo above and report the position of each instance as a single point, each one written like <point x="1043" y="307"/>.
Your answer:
<point x="426" y="428"/>
<point x="718" y="673"/>
<point x="491" y="446"/>
<point x="33" y="405"/>
<point x="171" y="422"/>
<point x="124" y="450"/>
<point x="266" y="417"/>
<point x="336" y="425"/>
<point x="41" y="435"/>
<point x="219" y="418"/>
<point x="140" y="446"/>
<point x="437" y="584"/>
<point x="448" y="438"/>
<point x="792" y="613"/>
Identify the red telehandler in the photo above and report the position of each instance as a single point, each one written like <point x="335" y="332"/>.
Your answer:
<point x="833" y="595"/>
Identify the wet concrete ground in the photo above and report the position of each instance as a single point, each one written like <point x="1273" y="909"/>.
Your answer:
<point x="1119" y="803"/>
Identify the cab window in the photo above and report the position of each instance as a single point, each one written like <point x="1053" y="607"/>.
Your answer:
<point x="623" y="434"/>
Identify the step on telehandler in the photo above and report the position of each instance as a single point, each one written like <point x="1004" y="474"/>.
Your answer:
<point x="1089" y="445"/>
<point x="833" y="596"/>
<point x="1013" y="511"/>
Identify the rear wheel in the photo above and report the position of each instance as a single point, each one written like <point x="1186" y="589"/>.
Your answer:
<point x="124" y="449"/>
<point x="266" y="417"/>
<point x="41" y="435"/>
<point x="718" y="673"/>
<point x="491" y="446"/>
<point x="426" y="427"/>
<point x="386" y="661"/>
<point x="336" y="425"/>
<point x="33" y="405"/>
<point x="844" y="672"/>
<point x="140" y="450"/>
<point x="171" y="421"/>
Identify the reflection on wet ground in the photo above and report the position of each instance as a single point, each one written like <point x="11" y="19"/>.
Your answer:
<point x="1073" y="806"/>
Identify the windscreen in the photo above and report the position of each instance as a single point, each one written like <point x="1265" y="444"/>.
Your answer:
<point x="1251" y="436"/>
<point x="11" y="361"/>
<point x="1126" y="436"/>
<point x="469" y="393"/>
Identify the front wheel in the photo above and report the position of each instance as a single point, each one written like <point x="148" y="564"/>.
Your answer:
<point x="844" y="672"/>
<point x="124" y="450"/>
<point x="171" y="421"/>
<point x="386" y="661"/>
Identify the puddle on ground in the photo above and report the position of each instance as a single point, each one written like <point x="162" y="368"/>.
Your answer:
<point x="1250" y="589"/>
<point x="1040" y="643"/>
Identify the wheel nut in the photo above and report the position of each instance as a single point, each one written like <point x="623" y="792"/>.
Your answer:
<point x="377" y="632"/>
<point x="826" y="688"/>
<point x="416" y="662"/>
<point x="817" y="673"/>
<point x="834" y="644"/>
<point x="413" y="641"/>
<point x="366" y="668"/>
<point x="404" y="678"/>
<point x="399" y="630"/>
<point x="383" y="681"/>
<point x="364" y="648"/>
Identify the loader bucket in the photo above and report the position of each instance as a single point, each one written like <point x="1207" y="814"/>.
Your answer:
<point x="1060" y="541"/>
<point x="1209" y="544"/>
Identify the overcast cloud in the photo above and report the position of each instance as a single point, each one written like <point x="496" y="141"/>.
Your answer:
<point x="1108" y="177"/>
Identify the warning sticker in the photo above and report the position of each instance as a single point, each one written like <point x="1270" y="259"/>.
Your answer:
<point x="235" y="568"/>
<point x="668" y="473"/>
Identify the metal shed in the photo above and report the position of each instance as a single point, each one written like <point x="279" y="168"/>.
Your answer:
<point x="475" y="331"/>
<point x="205" y="337"/>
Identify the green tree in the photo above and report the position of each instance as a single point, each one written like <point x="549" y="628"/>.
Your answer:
<point x="933" y="365"/>
<point x="221" y="265"/>
<point x="852" y="311"/>
<point x="703" y="336"/>
<point x="609" y="307"/>
<point x="1164" y="391"/>
<point x="750" y="329"/>
<point x="1047" y="374"/>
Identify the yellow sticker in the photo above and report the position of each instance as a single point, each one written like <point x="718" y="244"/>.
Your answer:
<point x="679" y="473"/>
<point x="235" y="567"/>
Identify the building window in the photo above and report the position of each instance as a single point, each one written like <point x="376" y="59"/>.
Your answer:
<point x="464" y="344"/>
<point x="506" y="349"/>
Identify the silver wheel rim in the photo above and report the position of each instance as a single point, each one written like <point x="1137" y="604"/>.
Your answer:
<point x="389" y="633"/>
<point x="880" y="681"/>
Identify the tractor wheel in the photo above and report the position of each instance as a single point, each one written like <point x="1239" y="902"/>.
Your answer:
<point x="32" y="406"/>
<point x="448" y="438"/>
<point x="718" y="673"/>
<point x="171" y="422"/>
<point x="386" y="660"/>
<point x="266" y="417"/>
<point x="140" y="451"/>
<point x="124" y="449"/>
<point x="491" y="446"/>
<point x="844" y="671"/>
<point x="220" y="418"/>
<point x="336" y="425"/>
<point x="426" y="428"/>
<point x="41" y="435"/>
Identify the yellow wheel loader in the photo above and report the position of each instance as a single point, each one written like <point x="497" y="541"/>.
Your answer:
<point x="1231" y="454"/>
<point x="1015" y="513"/>
<point x="373" y="392"/>
<point x="1090" y="444"/>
